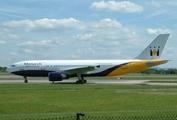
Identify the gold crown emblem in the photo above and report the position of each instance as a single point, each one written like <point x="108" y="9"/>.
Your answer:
<point x="154" y="52"/>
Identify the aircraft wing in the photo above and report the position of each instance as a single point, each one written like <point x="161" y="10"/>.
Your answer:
<point x="82" y="69"/>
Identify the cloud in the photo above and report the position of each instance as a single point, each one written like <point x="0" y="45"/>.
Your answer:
<point x="106" y="23"/>
<point x="169" y="52"/>
<point x="13" y="53"/>
<point x="84" y="37"/>
<point x="2" y="42"/>
<point x="96" y="40"/>
<point x="158" y="31"/>
<point x="157" y="13"/>
<point x="30" y="43"/>
<point x="110" y="30"/>
<point x="44" y="49"/>
<point x="13" y="36"/>
<point x="30" y="47"/>
<point x="4" y="35"/>
<point x="45" y="25"/>
<point x="107" y="36"/>
<point x="156" y="4"/>
<point x="113" y="6"/>
<point x="89" y="52"/>
<point x="41" y="44"/>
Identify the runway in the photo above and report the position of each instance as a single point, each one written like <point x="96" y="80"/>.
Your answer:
<point x="112" y="82"/>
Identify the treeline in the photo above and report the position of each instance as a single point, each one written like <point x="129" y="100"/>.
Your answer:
<point x="159" y="71"/>
<point x="3" y="69"/>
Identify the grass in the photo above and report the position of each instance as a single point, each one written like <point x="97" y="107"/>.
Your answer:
<point x="46" y="100"/>
<point x="22" y="101"/>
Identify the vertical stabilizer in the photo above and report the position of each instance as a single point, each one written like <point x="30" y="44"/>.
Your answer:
<point x="154" y="49"/>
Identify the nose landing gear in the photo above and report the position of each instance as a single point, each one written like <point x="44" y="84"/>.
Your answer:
<point x="25" y="81"/>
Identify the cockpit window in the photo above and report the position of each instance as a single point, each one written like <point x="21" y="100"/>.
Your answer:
<point x="12" y="65"/>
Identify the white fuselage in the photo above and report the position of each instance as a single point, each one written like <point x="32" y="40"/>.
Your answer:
<point x="74" y="67"/>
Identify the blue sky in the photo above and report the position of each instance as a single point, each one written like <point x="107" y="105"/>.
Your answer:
<point x="84" y="29"/>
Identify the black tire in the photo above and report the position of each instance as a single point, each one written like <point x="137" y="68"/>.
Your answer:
<point x="26" y="81"/>
<point x="85" y="81"/>
<point x="77" y="82"/>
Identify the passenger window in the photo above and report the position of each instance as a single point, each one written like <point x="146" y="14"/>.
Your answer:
<point x="12" y="65"/>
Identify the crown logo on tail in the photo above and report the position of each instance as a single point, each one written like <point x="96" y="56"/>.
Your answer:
<point x="155" y="51"/>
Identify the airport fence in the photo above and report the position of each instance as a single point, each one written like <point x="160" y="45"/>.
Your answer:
<point x="84" y="117"/>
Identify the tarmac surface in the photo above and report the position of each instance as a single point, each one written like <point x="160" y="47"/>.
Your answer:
<point x="113" y="82"/>
<point x="14" y="79"/>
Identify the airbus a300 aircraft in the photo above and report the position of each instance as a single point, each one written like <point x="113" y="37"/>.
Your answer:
<point x="57" y="70"/>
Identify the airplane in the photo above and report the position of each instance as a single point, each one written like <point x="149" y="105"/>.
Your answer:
<point x="58" y="70"/>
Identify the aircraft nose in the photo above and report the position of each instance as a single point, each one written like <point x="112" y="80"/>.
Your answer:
<point x="9" y="69"/>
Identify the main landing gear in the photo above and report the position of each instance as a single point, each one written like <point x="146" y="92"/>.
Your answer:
<point x="81" y="79"/>
<point x="25" y="81"/>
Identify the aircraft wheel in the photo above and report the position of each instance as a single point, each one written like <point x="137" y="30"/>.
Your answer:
<point x="81" y="81"/>
<point x="26" y="81"/>
<point x="77" y="82"/>
<point x="85" y="81"/>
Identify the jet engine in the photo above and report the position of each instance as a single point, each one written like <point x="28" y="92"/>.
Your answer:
<point x="56" y="76"/>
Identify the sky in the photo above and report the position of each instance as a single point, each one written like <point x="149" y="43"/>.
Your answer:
<point x="85" y="29"/>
